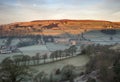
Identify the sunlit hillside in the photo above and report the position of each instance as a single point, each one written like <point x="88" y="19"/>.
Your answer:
<point x="55" y="27"/>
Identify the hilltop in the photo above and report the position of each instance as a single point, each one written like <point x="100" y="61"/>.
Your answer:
<point x="55" y="27"/>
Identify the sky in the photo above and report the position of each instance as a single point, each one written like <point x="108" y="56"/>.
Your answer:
<point x="29" y="10"/>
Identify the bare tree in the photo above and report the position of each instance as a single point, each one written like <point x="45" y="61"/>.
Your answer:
<point x="44" y="57"/>
<point x="37" y="57"/>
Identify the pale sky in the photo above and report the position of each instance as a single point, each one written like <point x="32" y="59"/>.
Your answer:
<point x="29" y="10"/>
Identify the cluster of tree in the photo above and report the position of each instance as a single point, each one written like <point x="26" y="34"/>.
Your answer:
<point x="67" y="73"/>
<point x="105" y="61"/>
<point x="95" y="49"/>
<point x="29" y="60"/>
<point x="10" y="72"/>
<point x="41" y="58"/>
<point x="71" y="51"/>
<point x="15" y="69"/>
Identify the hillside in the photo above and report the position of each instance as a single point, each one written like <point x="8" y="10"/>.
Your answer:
<point x="55" y="27"/>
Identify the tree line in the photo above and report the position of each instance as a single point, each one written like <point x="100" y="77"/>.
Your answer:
<point x="39" y="58"/>
<point x="11" y="72"/>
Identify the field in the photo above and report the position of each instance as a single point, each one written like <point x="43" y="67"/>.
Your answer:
<point x="48" y="66"/>
<point x="32" y="50"/>
<point x="95" y="37"/>
<point x="101" y="38"/>
<point x="77" y="61"/>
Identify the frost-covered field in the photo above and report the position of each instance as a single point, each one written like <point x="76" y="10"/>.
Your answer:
<point x="94" y="36"/>
<point x="76" y="61"/>
<point x="15" y="41"/>
<point x="32" y="50"/>
<point x="101" y="38"/>
<point x="54" y="46"/>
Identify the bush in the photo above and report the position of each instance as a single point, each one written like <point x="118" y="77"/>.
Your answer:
<point x="68" y="73"/>
<point x="91" y="80"/>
